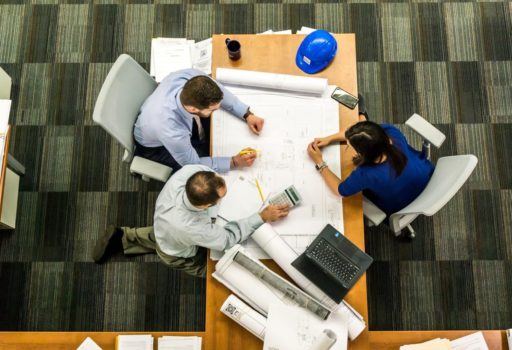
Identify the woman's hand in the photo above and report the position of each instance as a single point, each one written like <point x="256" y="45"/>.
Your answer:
<point x="315" y="153"/>
<point x="322" y="141"/>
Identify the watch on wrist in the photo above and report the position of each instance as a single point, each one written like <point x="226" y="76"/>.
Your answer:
<point x="247" y="114"/>
<point x="320" y="166"/>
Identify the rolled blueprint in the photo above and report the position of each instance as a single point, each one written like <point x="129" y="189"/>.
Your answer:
<point x="245" y="316"/>
<point x="325" y="341"/>
<point x="249" y="286"/>
<point x="283" y="255"/>
<point x="292" y="292"/>
<point x="286" y="82"/>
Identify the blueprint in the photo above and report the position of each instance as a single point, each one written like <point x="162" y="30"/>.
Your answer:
<point x="291" y="123"/>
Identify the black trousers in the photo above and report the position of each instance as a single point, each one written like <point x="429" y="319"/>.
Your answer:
<point x="163" y="156"/>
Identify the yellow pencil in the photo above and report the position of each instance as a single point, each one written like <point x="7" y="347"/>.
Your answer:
<point x="259" y="190"/>
<point x="247" y="152"/>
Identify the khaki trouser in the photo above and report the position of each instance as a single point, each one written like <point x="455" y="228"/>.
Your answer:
<point x="141" y="240"/>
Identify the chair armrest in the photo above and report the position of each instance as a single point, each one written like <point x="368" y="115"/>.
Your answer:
<point x="151" y="169"/>
<point x="427" y="131"/>
<point x="372" y="212"/>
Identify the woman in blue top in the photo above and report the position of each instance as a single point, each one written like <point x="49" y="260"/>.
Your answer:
<point x="388" y="171"/>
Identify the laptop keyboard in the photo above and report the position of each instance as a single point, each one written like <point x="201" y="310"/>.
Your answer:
<point x="329" y="258"/>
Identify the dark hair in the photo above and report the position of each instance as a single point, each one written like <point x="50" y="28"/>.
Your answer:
<point x="201" y="92"/>
<point x="371" y="142"/>
<point x="202" y="188"/>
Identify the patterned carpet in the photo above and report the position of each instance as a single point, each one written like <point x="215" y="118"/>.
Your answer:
<point x="451" y="62"/>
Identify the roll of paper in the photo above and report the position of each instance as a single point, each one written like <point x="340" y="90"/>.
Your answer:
<point x="265" y="274"/>
<point x="249" y="286"/>
<point x="284" y="82"/>
<point x="325" y="341"/>
<point x="245" y="316"/>
<point x="284" y="255"/>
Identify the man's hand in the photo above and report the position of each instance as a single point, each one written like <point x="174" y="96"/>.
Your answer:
<point x="255" y="123"/>
<point x="244" y="158"/>
<point x="274" y="212"/>
<point x="315" y="153"/>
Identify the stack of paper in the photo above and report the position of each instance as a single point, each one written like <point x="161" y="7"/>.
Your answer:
<point x="270" y="31"/>
<point x="438" y="344"/>
<point x="305" y="30"/>
<point x="134" y="342"/>
<point x="179" y="343"/>
<point x="473" y="341"/>
<point x="172" y="54"/>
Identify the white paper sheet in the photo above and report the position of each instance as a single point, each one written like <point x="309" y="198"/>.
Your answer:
<point x="88" y="344"/>
<point x="245" y="316"/>
<point x="290" y="124"/>
<point x="475" y="341"/>
<point x="202" y="56"/>
<point x="293" y="328"/>
<point x="179" y="343"/>
<point x="170" y="55"/>
<point x="305" y="30"/>
<point x="290" y="83"/>
<point x="135" y="342"/>
<point x="242" y="199"/>
<point x="438" y="344"/>
<point x="325" y="341"/>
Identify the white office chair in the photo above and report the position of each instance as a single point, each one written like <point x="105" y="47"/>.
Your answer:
<point x="449" y="175"/>
<point x="5" y="85"/>
<point x="125" y="89"/>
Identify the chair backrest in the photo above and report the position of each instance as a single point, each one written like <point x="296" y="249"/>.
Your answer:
<point x="448" y="177"/>
<point x="125" y="89"/>
<point x="5" y="85"/>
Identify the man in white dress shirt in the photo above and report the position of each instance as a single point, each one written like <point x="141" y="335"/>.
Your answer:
<point x="184" y="223"/>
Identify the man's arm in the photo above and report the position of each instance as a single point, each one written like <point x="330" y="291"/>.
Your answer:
<point x="232" y="104"/>
<point x="216" y="237"/>
<point x="221" y="238"/>
<point x="184" y="153"/>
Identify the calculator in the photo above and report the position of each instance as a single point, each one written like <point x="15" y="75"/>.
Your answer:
<point x="289" y="196"/>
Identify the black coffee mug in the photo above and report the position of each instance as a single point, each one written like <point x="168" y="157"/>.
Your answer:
<point x="234" y="49"/>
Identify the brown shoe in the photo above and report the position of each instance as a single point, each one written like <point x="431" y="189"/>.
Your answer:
<point x="108" y="244"/>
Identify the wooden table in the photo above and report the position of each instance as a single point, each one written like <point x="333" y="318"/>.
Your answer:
<point x="275" y="53"/>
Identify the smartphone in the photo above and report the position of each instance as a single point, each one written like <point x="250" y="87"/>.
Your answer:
<point x="345" y="98"/>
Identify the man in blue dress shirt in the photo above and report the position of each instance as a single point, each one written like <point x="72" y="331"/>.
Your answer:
<point x="173" y="127"/>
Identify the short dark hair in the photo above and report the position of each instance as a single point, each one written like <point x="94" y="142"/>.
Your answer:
<point x="201" y="92"/>
<point x="370" y="141"/>
<point x="202" y="188"/>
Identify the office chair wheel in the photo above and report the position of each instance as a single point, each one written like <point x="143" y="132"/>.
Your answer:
<point x="410" y="232"/>
<point x="407" y="235"/>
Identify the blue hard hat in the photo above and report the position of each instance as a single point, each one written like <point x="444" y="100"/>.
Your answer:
<point x="316" y="51"/>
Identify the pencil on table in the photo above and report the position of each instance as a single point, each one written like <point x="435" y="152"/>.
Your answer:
<point x="259" y="190"/>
